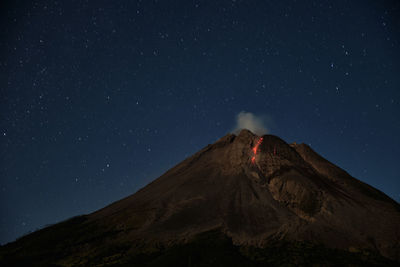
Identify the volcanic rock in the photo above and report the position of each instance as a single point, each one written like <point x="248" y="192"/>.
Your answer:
<point x="244" y="200"/>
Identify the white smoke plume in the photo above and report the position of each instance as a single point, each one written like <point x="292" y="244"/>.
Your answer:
<point x="249" y="121"/>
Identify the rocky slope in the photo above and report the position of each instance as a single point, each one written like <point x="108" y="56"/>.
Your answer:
<point x="249" y="197"/>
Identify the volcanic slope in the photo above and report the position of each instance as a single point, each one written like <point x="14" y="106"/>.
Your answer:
<point x="245" y="200"/>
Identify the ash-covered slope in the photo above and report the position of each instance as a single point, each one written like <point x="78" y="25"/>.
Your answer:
<point x="250" y="192"/>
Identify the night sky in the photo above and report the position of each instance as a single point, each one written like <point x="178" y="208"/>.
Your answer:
<point x="98" y="98"/>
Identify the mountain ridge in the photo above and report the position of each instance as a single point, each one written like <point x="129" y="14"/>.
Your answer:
<point x="255" y="191"/>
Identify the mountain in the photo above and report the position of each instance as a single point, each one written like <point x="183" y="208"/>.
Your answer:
<point x="245" y="200"/>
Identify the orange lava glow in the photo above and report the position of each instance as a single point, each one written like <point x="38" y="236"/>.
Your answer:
<point x="255" y="149"/>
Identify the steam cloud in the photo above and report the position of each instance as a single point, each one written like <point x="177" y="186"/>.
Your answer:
<point x="249" y="121"/>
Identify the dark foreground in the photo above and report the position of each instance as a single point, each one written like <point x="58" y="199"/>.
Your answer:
<point x="207" y="249"/>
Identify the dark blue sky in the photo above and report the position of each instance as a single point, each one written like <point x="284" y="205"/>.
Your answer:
<point x="98" y="98"/>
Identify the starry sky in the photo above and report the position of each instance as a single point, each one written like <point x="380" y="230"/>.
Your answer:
<point x="98" y="98"/>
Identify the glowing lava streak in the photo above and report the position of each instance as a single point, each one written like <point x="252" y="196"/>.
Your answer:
<point x="255" y="148"/>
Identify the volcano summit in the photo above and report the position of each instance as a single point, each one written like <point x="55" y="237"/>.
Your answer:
<point x="245" y="200"/>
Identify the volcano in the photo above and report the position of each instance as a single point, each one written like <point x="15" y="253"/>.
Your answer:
<point x="245" y="200"/>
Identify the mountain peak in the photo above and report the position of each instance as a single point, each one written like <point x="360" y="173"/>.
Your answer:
<point x="253" y="190"/>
